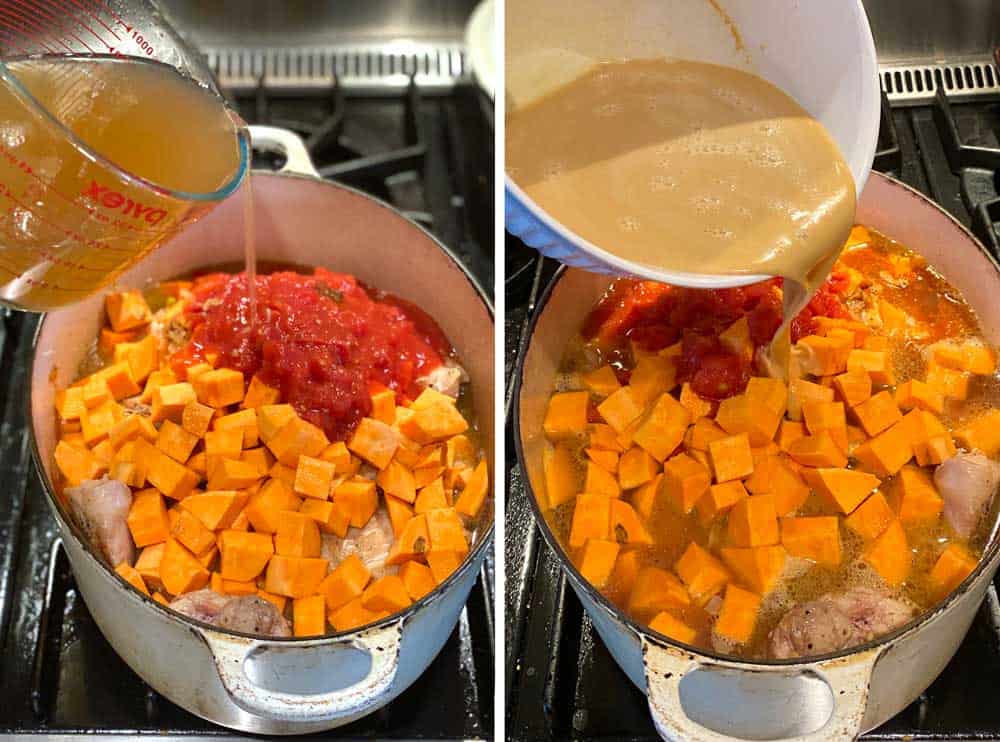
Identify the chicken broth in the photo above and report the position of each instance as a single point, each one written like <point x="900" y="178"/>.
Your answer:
<point x="226" y="468"/>
<point x="730" y="511"/>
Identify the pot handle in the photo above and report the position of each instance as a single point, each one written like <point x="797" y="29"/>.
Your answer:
<point x="287" y="143"/>
<point x="847" y="680"/>
<point x="371" y="691"/>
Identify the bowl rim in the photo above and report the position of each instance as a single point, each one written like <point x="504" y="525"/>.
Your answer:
<point x="68" y="524"/>
<point x="598" y="600"/>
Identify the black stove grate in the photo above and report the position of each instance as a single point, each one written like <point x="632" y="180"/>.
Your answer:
<point x="431" y="157"/>
<point x="561" y="681"/>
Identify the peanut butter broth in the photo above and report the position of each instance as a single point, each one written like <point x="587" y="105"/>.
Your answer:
<point x="687" y="167"/>
<point x="879" y="268"/>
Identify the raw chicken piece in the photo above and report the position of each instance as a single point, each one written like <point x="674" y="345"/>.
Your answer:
<point x="447" y="379"/>
<point x="201" y="605"/>
<point x="371" y="544"/>
<point x="967" y="483"/>
<point x="101" y="507"/>
<point x="253" y="615"/>
<point x="247" y="613"/>
<point x="837" y="621"/>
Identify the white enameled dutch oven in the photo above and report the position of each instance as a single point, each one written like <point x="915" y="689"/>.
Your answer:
<point x="697" y="695"/>
<point x="820" y="53"/>
<point x="279" y="686"/>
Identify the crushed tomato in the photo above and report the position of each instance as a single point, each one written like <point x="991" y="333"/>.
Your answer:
<point x="322" y="340"/>
<point x="654" y="315"/>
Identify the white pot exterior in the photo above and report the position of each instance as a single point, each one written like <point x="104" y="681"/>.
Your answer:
<point x="878" y="683"/>
<point x="307" y="222"/>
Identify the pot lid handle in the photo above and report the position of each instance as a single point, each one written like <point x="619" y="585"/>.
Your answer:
<point x="279" y="680"/>
<point x="287" y="143"/>
<point x="695" y="697"/>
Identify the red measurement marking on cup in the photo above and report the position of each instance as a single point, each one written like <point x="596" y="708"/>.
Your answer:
<point x="49" y="256"/>
<point x="28" y="28"/>
<point x="76" y="26"/>
<point x="58" y="23"/>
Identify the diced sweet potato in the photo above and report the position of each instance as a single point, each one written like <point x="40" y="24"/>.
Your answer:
<point x="345" y="583"/>
<point x="635" y="469"/>
<point x="878" y="413"/>
<point x="147" y="518"/>
<point x="387" y="593"/>
<point x="259" y="394"/>
<point x="329" y="516"/>
<point x="76" y="464"/>
<point x="352" y="616"/>
<point x="375" y="442"/>
<point x="950" y="570"/>
<point x="566" y="414"/>
<point x="264" y="507"/>
<point x="822" y="356"/>
<point x="652" y="376"/>
<point x="298" y="438"/>
<point x="684" y="481"/>
<point x="697" y="406"/>
<point x="753" y="521"/>
<point x="271" y="418"/>
<point x="412" y="543"/>
<point x="701" y="573"/>
<point x="936" y="449"/>
<point x="397" y="480"/>
<point x="965" y="356"/>
<point x="172" y="479"/>
<point x="843" y="489"/>
<point x="644" y="498"/>
<point x="620" y="409"/>
<point x="738" y="616"/>
<point x="948" y="382"/>
<point x="673" y="628"/>
<point x="169" y="401"/>
<point x="477" y="487"/>
<point x="127" y="310"/>
<point x="982" y="434"/>
<point x="854" y="387"/>
<point x="431" y="497"/>
<point x="297" y="535"/>
<point x="231" y="474"/>
<point x="736" y="338"/>
<point x="180" y="571"/>
<point x="702" y="432"/>
<point x="915" y="394"/>
<point x="719" y="499"/>
<point x="607" y="460"/>
<point x="661" y="431"/>
<point x="596" y="561"/>
<point x="219" y="387"/>
<point x="886" y="453"/>
<point x="731" y="457"/>
<point x="131" y="575"/>
<point x="192" y="534"/>
<point x="309" y="616"/>
<point x="175" y="442"/>
<point x="591" y="519"/>
<point x="890" y="554"/>
<point x="359" y="498"/>
<point x="827" y="417"/>
<point x="600" y="482"/>
<point x="443" y="563"/>
<point x="603" y="438"/>
<point x="750" y="415"/>
<point x="244" y="421"/>
<point x="417" y="578"/>
<point x="439" y="419"/>
<point x="96" y="424"/>
<point x="771" y="393"/>
<point x="817" y="450"/>
<point x="816" y="538"/>
<point x="656" y="589"/>
<point x="758" y="567"/>
<point x="871" y="517"/>
<point x="601" y="381"/>
<point x="445" y="531"/>
<point x="915" y="498"/>
<point x="789" y="432"/>
<point x="561" y="478"/>
<point x="626" y="525"/>
<point x="875" y="362"/>
<point x="801" y="391"/>
<point x="294" y="577"/>
<point x="148" y="565"/>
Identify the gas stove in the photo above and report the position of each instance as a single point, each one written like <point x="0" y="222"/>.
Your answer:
<point x="561" y="681"/>
<point x="423" y="143"/>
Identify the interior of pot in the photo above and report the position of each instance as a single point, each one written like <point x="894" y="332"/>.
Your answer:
<point x="886" y="205"/>
<point x="549" y="44"/>
<point x="307" y="222"/>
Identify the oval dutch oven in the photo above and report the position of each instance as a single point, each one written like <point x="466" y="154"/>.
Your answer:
<point x="694" y="694"/>
<point x="279" y="686"/>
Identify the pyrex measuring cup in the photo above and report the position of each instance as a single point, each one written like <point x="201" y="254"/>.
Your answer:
<point x="820" y="53"/>
<point x="71" y="219"/>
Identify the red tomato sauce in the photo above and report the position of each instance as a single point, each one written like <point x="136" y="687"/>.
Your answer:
<point x="654" y="315"/>
<point x="321" y="340"/>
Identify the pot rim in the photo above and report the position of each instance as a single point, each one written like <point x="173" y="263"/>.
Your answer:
<point x="68" y="524"/>
<point x="599" y="600"/>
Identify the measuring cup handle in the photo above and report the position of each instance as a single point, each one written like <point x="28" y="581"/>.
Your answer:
<point x="287" y="143"/>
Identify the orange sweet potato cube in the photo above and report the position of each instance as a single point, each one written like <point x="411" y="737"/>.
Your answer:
<point x="661" y="431"/>
<point x="76" y="464"/>
<point x="843" y="489"/>
<point x="817" y="450"/>
<point x="626" y="525"/>
<point x="477" y="488"/>
<point x="789" y="432"/>
<point x="566" y="414"/>
<point x="264" y="507"/>
<point x="131" y="575"/>
<point x="816" y="538"/>
<point x="621" y="409"/>
<point x="147" y="518"/>
<point x="591" y="519"/>
<point x="175" y="442"/>
<point x="142" y="357"/>
<point x="822" y="356"/>
<point x="296" y="438"/>
<point x="877" y="413"/>
<point x="259" y="394"/>
<point x="345" y="583"/>
<point x="244" y="421"/>
<point x="359" y="497"/>
<point x="127" y="310"/>
<point x="935" y="450"/>
<point x="684" y="481"/>
<point x="801" y="391"/>
<point x="387" y="593"/>
<point x="701" y="573"/>
<point x="437" y="419"/>
<point x="383" y="403"/>
<point x="352" y="616"/>
<point x="192" y="533"/>
<point x="652" y="376"/>
<point x="418" y="579"/>
<point x="626" y="571"/>
<point x="854" y="387"/>
<point x="329" y="516"/>
<point x="915" y="394"/>
<point x="697" y="406"/>
<point x="826" y="417"/>
<point x="758" y="567"/>
<point x="443" y="563"/>
<point x="875" y="362"/>
<point x="635" y="469"/>
<point x="96" y="424"/>
<point x="294" y="577"/>
<point x="561" y="478"/>
<point x="219" y="387"/>
<point x="655" y="589"/>
<point x="644" y="498"/>
<point x="445" y="531"/>
<point x="375" y="442"/>
<point x="771" y="393"/>
<point x="148" y="565"/>
<point x="719" y="499"/>
<point x="950" y="570"/>
<point x="702" y="432"/>
<point x="169" y="401"/>
<point x="871" y="517"/>
<point x="753" y="521"/>
<point x="600" y="482"/>
<point x="947" y="381"/>
<point x="313" y="477"/>
<point x="738" y="616"/>
<point x="750" y="415"/>
<point x="886" y="453"/>
<point x="232" y="474"/>
<point x="890" y="555"/>
<point x="596" y="561"/>
<point x="273" y="417"/>
<point x="196" y="417"/>
<point x="180" y="571"/>
<point x="982" y="434"/>
<point x="731" y="457"/>
<point x="297" y="535"/>
<point x="431" y="497"/>
<point x="673" y="628"/>
<point x="309" y="616"/>
<point x="915" y="498"/>
<point x="736" y="338"/>
<point x="601" y="381"/>
<point x="216" y="509"/>
<point x="171" y="478"/>
<point x="965" y="356"/>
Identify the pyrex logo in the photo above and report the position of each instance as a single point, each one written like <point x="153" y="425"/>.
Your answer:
<point x="110" y="199"/>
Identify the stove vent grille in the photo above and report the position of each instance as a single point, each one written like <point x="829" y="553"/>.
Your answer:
<point x="381" y="68"/>
<point x="917" y="84"/>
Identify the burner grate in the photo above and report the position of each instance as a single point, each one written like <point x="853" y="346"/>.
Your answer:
<point x="917" y="84"/>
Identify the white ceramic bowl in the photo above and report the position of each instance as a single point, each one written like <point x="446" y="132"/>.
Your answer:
<point x="821" y="53"/>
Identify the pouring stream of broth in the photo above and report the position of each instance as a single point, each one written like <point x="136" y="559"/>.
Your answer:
<point x="689" y="167"/>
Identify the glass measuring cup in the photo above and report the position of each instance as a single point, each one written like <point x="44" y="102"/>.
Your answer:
<point x="72" y="217"/>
